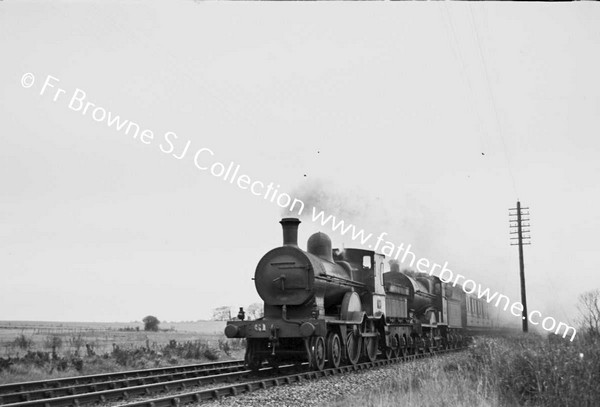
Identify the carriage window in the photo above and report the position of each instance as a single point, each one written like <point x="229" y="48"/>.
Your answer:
<point x="381" y="273"/>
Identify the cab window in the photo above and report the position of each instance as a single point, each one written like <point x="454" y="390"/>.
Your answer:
<point x="367" y="262"/>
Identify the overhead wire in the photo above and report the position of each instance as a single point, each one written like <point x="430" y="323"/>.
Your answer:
<point x="458" y="55"/>
<point x="493" y="100"/>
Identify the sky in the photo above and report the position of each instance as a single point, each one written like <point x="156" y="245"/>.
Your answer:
<point x="425" y="121"/>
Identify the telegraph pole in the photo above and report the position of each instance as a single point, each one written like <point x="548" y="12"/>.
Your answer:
<point x="522" y="241"/>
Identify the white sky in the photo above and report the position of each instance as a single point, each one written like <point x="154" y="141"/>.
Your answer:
<point x="387" y="106"/>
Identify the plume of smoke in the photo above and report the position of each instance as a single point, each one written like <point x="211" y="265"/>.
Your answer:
<point x="401" y="214"/>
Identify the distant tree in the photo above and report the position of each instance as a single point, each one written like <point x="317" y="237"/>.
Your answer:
<point x="222" y="313"/>
<point x="255" y="311"/>
<point x="150" y="323"/>
<point x="589" y="307"/>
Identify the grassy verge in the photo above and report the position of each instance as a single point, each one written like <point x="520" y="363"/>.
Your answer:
<point x="519" y="371"/>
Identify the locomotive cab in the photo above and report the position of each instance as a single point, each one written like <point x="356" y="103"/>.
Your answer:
<point x="370" y="267"/>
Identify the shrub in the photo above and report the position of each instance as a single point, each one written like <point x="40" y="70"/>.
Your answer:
<point x="77" y="364"/>
<point x="22" y="342"/>
<point x="76" y="342"/>
<point x="190" y="350"/>
<point x="5" y="363"/>
<point x="224" y="346"/>
<point x="37" y="358"/>
<point x="211" y="354"/>
<point x="137" y="357"/>
<point x="53" y="342"/>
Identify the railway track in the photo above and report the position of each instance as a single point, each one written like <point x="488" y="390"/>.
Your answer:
<point x="265" y="383"/>
<point x="142" y="384"/>
<point x="111" y="386"/>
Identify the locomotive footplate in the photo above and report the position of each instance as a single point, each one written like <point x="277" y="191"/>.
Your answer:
<point x="276" y="328"/>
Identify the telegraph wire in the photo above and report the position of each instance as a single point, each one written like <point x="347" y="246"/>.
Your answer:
<point x="493" y="100"/>
<point x="455" y="47"/>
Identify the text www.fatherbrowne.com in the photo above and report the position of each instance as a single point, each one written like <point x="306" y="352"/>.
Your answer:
<point x="203" y="159"/>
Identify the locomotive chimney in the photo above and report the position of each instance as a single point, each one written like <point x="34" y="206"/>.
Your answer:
<point x="290" y="231"/>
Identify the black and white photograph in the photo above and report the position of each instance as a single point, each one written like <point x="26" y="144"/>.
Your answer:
<point x="299" y="203"/>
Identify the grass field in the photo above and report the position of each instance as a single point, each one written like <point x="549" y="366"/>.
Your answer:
<point x="43" y="350"/>
<point x="517" y="371"/>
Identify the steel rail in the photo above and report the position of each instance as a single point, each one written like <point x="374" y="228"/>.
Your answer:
<point x="142" y="390"/>
<point x="75" y="380"/>
<point x="72" y="390"/>
<point x="247" y="387"/>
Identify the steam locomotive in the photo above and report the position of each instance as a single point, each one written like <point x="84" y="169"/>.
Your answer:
<point x="329" y="306"/>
